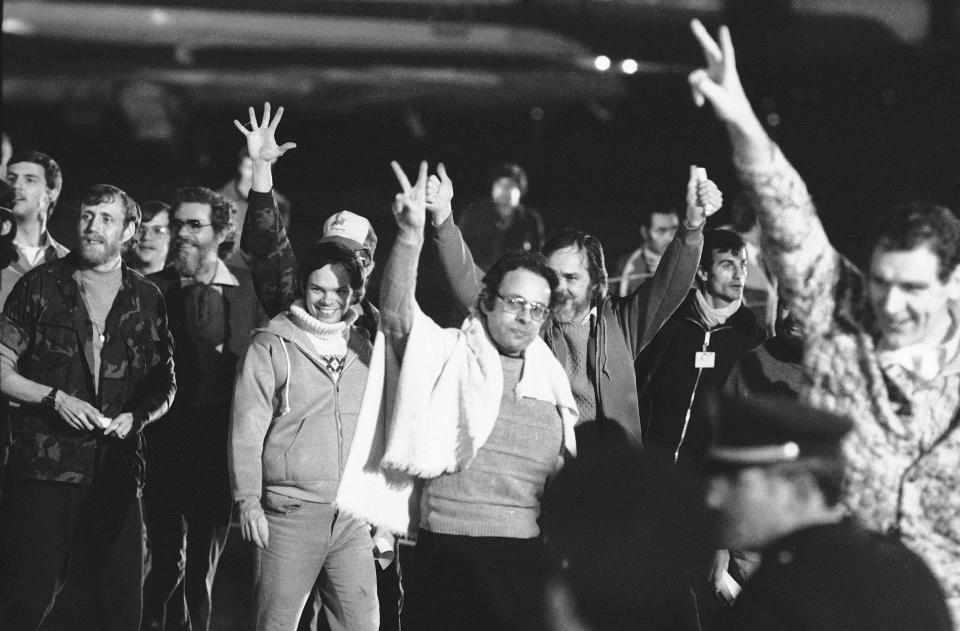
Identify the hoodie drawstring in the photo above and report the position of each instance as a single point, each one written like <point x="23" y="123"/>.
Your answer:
<point x="286" y="385"/>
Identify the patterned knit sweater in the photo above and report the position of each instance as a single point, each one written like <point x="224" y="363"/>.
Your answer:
<point x="904" y="452"/>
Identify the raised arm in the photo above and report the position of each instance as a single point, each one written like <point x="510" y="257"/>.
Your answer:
<point x="793" y="240"/>
<point x="463" y="275"/>
<point x="264" y="243"/>
<point x="642" y="313"/>
<point x="397" y="296"/>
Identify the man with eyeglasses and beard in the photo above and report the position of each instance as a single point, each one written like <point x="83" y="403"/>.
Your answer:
<point x="597" y="337"/>
<point x="86" y="354"/>
<point x="214" y="310"/>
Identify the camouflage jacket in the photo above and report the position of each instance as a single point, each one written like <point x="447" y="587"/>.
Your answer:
<point x="266" y="251"/>
<point x="903" y="455"/>
<point x="46" y="324"/>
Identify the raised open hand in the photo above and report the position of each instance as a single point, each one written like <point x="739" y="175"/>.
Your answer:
<point x="719" y="83"/>
<point x="439" y="195"/>
<point x="410" y="205"/>
<point x="703" y="196"/>
<point x="261" y="138"/>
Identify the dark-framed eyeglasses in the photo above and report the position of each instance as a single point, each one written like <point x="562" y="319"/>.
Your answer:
<point x="516" y="304"/>
<point x="192" y="225"/>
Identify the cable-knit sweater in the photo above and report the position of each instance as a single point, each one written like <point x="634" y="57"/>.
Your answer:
<point x="498" y="495"/>
<point x="904" y="451"/>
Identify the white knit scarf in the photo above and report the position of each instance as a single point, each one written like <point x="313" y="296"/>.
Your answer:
<point x="711" y="317"/>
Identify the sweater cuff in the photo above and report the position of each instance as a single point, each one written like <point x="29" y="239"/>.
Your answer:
<point x="246" y="502"/>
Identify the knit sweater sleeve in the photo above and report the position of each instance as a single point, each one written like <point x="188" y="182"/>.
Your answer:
<point x="253" y="410"/>
<point x="463" y="275"/>
<point x="794" y="242"/>
<point x="398" y="289"/>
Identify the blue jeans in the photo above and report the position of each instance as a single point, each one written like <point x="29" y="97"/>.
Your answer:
<point x="310" y="544"/>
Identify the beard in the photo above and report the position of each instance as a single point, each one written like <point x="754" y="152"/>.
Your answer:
<point x="186" y="261"/>
<point x="97" y="250"/>
<point x="569" y="309"/>
<point x="188" y="257"/>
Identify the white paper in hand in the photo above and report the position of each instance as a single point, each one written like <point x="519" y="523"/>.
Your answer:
<point x="729" y="588"/>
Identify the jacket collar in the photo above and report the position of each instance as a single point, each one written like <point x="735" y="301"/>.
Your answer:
<point x="221" y="276"/>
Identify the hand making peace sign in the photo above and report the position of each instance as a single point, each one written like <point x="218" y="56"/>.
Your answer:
<point x="410" y="205"/>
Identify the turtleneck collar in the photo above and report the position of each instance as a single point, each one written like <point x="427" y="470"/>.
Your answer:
<point x="303" y="320"/>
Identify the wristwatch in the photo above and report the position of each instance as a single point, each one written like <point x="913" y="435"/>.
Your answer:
<point x="50" y="401"/>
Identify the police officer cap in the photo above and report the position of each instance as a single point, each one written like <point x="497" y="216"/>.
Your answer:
<point x="763" y="430"/>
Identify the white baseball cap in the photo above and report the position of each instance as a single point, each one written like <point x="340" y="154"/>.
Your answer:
<point x="351" y="230"/>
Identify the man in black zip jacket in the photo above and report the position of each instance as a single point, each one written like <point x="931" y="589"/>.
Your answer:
<point x="695" y="350"/>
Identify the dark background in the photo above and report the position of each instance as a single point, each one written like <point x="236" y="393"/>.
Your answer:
<point x="868" y="118"/>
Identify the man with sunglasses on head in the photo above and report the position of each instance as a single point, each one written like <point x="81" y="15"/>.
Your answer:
<point x="214" y="309"/>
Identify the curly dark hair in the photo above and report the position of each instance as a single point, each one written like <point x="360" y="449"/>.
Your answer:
<point x="222" y="210"/>
<point x="328" y="253"/>
<point x="915" y="224"/>
<point x="513" y="260"/>
<point x="719" y="241"/>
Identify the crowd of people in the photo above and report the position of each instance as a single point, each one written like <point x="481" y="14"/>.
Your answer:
<point x="575" y="454"/>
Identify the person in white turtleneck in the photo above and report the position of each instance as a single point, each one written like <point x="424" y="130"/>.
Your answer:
<point x="294" y="414"/>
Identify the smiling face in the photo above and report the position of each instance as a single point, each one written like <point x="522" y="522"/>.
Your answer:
<point x="192" y="249"/>
<point x="328" y="294"/>
<point x="32" y="198"/>
<point x="154" y="241"/>
<point x="909" y="300"/>
<point x="514" y="332"/>
<point x="102" y="232"/>
<point x="723" y="283"/>
<point x="575" y="291"/>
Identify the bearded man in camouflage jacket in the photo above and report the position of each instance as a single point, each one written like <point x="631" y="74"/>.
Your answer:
<point x="87" y="360"/>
